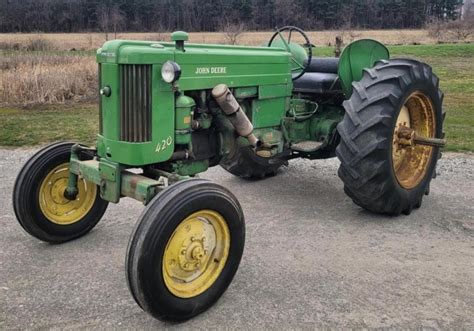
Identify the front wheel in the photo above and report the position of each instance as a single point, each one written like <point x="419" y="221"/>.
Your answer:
<point x="39" y="202"/>
<point x="185" y="250"/>
<point x="389" y="136"/>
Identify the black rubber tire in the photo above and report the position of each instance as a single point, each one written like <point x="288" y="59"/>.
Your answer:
<point x="244" y="163"/>
<point x="150" y="237"/>
<point x="367" y="130"/>
<point x="26" y="198"/>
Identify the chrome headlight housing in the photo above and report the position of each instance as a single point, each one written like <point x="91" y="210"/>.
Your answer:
<point x="170" y="71"/>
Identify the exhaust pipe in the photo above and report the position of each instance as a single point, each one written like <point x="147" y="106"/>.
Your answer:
<point x="229" y="105"/>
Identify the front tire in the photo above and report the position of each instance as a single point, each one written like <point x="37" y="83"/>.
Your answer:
<point x="185" y="250"/>
<point x="379" y="173"/>
<point x="39" y="202"/>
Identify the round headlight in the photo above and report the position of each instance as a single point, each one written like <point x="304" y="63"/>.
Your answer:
<point x="170" y="71"/>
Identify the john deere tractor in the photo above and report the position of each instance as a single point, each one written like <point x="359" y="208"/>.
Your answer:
<point x="171" y="110"/>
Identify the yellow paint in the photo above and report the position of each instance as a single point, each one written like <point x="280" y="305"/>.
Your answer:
<point x="187" y="119"/>
<point x="196" y="253"/>
<point x="55" y="206"/>
<point x="410" y="163"/>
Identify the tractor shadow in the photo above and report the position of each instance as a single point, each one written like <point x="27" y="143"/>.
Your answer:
<point x="304" y="188"/>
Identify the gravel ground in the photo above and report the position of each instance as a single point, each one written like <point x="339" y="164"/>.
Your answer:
<point x="312" y="260"/>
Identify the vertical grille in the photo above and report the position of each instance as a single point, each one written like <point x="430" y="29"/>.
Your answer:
<point x="135" y="102"/>
<point x="101" y="125"/>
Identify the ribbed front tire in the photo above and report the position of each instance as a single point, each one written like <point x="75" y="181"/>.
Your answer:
<point x="185" y="249"/>
<point x="39" y="203"/>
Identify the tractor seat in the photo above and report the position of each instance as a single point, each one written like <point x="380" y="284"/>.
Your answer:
<point x="320" y="78"/>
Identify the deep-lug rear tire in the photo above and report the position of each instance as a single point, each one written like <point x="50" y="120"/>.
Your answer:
<point x="185" y="250"/>
<point x="375" y="176"/>
<point x="39" y="203"/>
<point x="245" y="163"/>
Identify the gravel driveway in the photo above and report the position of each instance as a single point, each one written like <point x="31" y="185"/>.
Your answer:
<point x="312" y="260"/>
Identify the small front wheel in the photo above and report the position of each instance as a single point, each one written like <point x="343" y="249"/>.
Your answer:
<point x="39" y="202"/>
<point x="185" y="250"/>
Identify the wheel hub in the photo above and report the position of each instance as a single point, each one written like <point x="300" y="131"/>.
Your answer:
<point x="196" y="253"/>
<point x="412" y="137"/>
<point x="55" y="206"/>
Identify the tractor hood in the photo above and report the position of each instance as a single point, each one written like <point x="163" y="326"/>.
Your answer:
<point x="204" y="66"/>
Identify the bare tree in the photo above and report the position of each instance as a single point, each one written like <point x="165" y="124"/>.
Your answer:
<point x="437" y="28"/>
<point x="117" y="19"/>
<point x="463" y="27"/>
<point x="103" y="18"/>
<point x="232" y="32"/>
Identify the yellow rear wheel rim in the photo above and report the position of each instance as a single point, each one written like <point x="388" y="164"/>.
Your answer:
<point x="54" y="205"/>
<point x="410" y="163"/>
<point x="196" y="253"/>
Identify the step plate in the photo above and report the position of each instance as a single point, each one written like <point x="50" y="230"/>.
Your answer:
<point x="307" y="146"/>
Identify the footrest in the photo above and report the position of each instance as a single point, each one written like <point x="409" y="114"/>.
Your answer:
<point x="307" y="146"/>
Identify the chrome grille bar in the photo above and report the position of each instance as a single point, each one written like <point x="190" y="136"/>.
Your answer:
<point x="135" y="102"/>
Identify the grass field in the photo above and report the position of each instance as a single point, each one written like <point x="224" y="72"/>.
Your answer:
<point x="454" y="64"/>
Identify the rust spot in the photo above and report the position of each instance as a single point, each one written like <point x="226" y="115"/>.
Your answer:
<point x="133" y="183"/>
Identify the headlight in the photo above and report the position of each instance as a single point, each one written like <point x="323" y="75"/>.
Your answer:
<point x="170" y="72"/>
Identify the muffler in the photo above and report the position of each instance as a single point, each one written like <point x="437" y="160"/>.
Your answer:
<point x="229" y="105"/>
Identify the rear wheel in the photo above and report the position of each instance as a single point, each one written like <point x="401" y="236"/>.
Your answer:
<point x="40" y="204"/>
<point x="383" y="169"/>
<point x="185" y="250"/>
<point x="245" y="163"/>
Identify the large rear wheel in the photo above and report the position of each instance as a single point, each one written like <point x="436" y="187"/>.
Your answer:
<point x="390" y="136"/>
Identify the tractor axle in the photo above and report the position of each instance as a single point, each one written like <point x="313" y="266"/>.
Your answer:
<point x="408" y="137"/>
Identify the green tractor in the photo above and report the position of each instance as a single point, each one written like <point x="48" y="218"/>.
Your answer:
<point x="171" y="110"/>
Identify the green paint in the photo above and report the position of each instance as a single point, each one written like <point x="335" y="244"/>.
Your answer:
<point x="110" y="175"/>
<point x="268" y="112"/>
<point x="245" y="92"/>
<point x="203" y="67"/>
<point x="357" y="56"/>
<point x="190" y="168"/>
<point x="114" y="182"/>
<point x="179" y="36"/>
<point x="260" y="79"/>
<point x="183" y="110"/>
<point x="139" y="187"/>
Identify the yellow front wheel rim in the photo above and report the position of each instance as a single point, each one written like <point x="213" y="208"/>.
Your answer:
<point x="196" y="254"/>
<point x="54" y="205"/>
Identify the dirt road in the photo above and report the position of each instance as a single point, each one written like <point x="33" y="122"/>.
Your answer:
<point x="312" y="260"/>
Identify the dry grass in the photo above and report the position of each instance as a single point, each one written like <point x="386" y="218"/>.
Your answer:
<point x="28" y="80"/>
<point x="90" y="41"/>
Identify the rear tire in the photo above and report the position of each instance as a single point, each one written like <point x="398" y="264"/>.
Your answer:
<point x="244" y="163"/>
<point x="185" y="250"/>
<point x="372" y="179"/>
<point x="40" y="207"/>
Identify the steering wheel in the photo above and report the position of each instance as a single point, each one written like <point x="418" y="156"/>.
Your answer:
<point x="298" y="68"/>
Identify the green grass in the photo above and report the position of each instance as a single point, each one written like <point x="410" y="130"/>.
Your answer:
<point x="453" y="63"/>
<point x="22" y="127"/>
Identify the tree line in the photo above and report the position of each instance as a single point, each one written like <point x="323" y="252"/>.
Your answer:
<point x="212" y="15"/>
